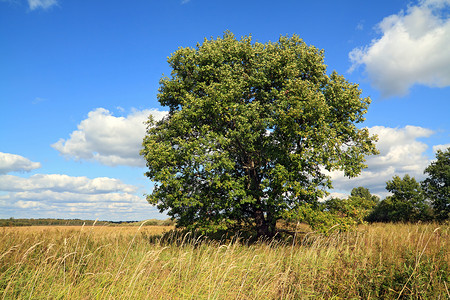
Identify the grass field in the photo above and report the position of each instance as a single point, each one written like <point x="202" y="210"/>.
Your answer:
<point x="377" y="261"/>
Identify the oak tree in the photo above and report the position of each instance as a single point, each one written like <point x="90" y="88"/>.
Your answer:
<point x="251" y="128"/>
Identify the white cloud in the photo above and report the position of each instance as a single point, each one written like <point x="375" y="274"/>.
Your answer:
<point x="440" y="147"/>
<point x="64" y="183"/>
<point x="108" y="139"/>
<point x="44" y="4"/>
<point x="63" y="196"/>
<point x="16" y="163"/>
<point x="400" y="153"/>
<point x="412" y="50"/>
<point x="72" y="199"/>
<point x="103" y="137"/>
<point x="28" y="204"/>
<point x="334" y="195"/>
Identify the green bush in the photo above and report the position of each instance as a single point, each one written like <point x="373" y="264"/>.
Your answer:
<point x="320" y="220"/>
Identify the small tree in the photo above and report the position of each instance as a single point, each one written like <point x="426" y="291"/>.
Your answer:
<point x="357" y="206"/>
<point x="251" y="126"/>
<point x="437" y="185"/>
<point x="407" y="204"/>
<point x="365" y="194"/>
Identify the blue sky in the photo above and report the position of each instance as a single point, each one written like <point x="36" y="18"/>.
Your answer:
<point x="79" y="78"/>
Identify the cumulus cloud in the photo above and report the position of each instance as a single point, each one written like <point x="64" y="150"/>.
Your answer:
<point x="412" y="50"/>
<point x="71" y="199"/>
<point x="44" y="4"/>
<point x="48" y="204"/>
<point x="440" y="147"/>
<point x="63" y="196"/>
<point x="16" y="163"/>
<point x="108" y="139"/>
<point x="401" y="153"/>
<point x="64" y="183"/>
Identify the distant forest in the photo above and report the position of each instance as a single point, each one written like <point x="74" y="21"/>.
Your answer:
<point x="78" y="222"/>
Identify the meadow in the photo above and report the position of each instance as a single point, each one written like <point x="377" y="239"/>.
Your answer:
<point x="390" y="261"/>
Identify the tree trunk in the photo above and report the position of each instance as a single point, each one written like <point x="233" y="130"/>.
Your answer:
<point x="262" y="228"/>
<point x="265" y="227"/>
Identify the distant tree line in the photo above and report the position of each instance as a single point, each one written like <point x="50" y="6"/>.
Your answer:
<point x="411" y="201"/>
<point x="49" y="222"/>
<point x="78" y="222"/>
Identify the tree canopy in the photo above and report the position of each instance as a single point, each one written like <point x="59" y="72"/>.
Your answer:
<point x="365" y="194"/>
<point x="250" y="131"/>
<point x="407" y="203"/>
<point x="437" y="185"/>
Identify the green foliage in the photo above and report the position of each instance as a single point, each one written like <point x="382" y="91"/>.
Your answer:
<point x="357" y="207"/>
<point x="335" y="214"/>
<point x="320" y="219"/>
<point x="249" y="128"/>
<point x="364" y="193"/>
<point x="407" y="204"/>
<point x="437" y="185"/>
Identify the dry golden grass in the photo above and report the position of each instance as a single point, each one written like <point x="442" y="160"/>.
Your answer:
<point x="94" y="230"/>
<point x="378" y="261"/>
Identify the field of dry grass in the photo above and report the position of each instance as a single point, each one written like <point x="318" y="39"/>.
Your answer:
<point x="377" y="261"/>
<point x="94" y="231"/>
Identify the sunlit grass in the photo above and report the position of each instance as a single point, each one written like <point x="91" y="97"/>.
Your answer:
<point x="378" y="261"/>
